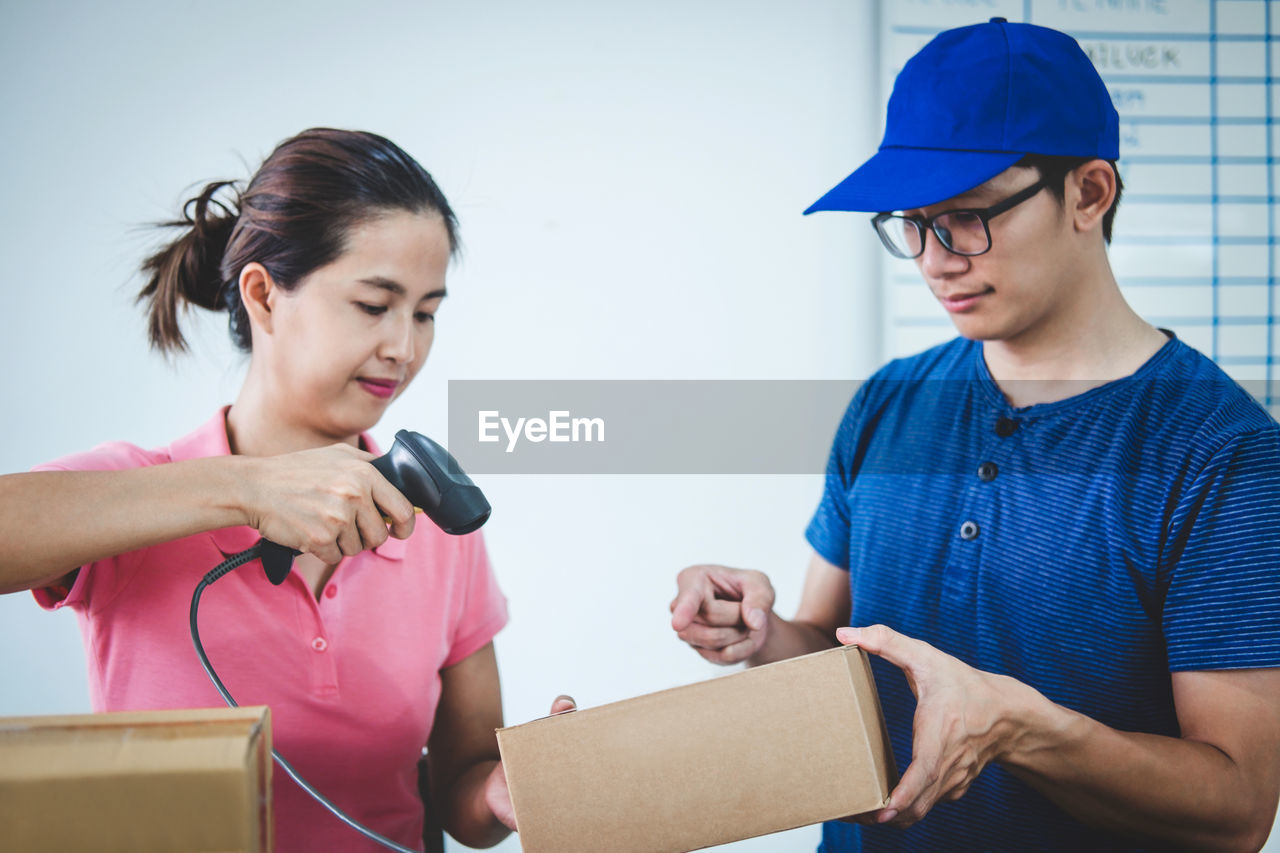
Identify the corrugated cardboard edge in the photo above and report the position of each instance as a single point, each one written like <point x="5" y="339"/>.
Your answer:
<point x="872" y="718"/>
<point x="116" y="719"/>
<point x="869" y="716"/>
<point x="266" y="814"/>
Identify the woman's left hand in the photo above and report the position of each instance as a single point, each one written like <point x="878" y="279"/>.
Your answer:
<point x="496" y="794"/>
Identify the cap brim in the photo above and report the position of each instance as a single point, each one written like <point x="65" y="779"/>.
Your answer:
<point x="906" y="178"/>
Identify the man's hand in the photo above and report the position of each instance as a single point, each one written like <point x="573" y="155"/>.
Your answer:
<point x="496" y="793"/>
<point x="962" y="721"/>
<point x="722" y="613"/>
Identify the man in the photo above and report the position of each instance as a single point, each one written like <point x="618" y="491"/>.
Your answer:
<point x="1061" y="530"/>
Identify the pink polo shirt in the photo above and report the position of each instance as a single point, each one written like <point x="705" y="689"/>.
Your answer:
<point x="352" y="680"/>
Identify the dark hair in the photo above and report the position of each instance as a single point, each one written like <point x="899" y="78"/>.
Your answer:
<point x="293" y="217"/>
<point x="1054" y="169"/>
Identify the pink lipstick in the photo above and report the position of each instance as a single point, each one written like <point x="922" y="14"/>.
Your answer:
<point x="382" y="388"/>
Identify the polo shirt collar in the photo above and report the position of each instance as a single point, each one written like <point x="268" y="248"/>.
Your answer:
<point x="211" y="440"/>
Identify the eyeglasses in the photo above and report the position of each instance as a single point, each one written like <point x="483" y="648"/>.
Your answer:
<point x="961" y="232"/>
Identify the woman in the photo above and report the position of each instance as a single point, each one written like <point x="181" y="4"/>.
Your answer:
<point x="331" y="264"/>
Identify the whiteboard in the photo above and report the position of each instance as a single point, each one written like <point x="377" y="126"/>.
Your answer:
<point x="1194" y="246"/>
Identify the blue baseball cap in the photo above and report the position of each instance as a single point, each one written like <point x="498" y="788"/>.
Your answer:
<point x="972" y="103"/>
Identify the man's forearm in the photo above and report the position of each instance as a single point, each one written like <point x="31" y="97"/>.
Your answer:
<point x="1182" y="791"/>
<point x="791" y="638"/>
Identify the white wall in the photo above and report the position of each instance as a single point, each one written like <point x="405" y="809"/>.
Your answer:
<point x="629" y="179"/>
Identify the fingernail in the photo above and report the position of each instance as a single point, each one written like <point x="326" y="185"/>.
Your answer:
<point x="848" y="635"/>
<point x="756" y="619"/>
<point x="887" y="815"/>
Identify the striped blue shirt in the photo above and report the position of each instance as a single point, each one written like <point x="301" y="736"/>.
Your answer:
<point x="1087" y="547"/>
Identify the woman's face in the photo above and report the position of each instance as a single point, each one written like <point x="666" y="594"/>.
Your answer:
<point x="355" y="332"/>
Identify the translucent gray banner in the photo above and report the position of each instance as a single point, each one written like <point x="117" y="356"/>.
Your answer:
<point x="669" y="427"/>
<point x="645" y="427"/>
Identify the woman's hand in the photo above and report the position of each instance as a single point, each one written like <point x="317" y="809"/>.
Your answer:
<point x="329" y="502"/>
<point x="496" y="793"/>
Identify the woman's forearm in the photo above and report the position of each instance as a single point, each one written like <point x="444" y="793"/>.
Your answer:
<point x="52" y="522"/>
<point x="467" y="815"/>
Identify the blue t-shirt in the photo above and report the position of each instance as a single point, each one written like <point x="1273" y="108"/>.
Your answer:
<point x="1087" y="547"/>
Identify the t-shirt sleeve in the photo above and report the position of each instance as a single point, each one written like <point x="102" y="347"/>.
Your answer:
<point x="1222" y="606"/>
<point x="113" y="456"/>
<point x="828" y="530"/>
<point x="480" y="607"/>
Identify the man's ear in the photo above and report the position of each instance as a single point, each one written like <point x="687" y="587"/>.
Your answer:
<point x="258" y="293"/>
<point x="1090" y="191"/>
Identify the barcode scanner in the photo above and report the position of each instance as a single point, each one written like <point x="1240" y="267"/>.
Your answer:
<point x="432" y="480"/>
<point x="428" y="476"/>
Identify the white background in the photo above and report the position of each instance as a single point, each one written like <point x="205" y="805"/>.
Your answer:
<point x="629" y="179"/>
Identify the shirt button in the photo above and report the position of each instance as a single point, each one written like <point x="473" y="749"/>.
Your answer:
<point x="968" y="531"/>
<point x="987" y="471"/>
<point x="330" y="591"/>
<point x="1006" y="427"/>
<point x="319" y="644"/>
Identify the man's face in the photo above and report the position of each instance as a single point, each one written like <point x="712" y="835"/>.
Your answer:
<point x="1025" y="278"/>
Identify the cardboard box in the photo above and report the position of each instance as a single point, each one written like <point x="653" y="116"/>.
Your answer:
<point x="759" y="751"/>
<point x="196" y="780"/>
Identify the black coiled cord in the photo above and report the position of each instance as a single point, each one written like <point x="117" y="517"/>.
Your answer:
<point x="226" y="566"/>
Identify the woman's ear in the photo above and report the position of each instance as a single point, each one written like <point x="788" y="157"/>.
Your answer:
<point x="258" y="294"/>
<point x="1091" y="191"/>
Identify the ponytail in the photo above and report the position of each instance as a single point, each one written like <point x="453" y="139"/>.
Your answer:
<point x="293" y="217"/>
<point x="188" y="271"/>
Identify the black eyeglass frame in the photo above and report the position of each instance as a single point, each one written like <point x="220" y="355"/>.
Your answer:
<point x="926" y="224"/>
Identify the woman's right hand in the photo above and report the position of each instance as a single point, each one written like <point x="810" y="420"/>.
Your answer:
<point x="329" y="502"/>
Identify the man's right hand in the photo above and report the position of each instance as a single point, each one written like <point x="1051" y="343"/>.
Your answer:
<point x="723" y="613"/>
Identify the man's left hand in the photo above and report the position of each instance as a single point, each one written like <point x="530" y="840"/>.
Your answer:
<point x="963" y="721"/>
